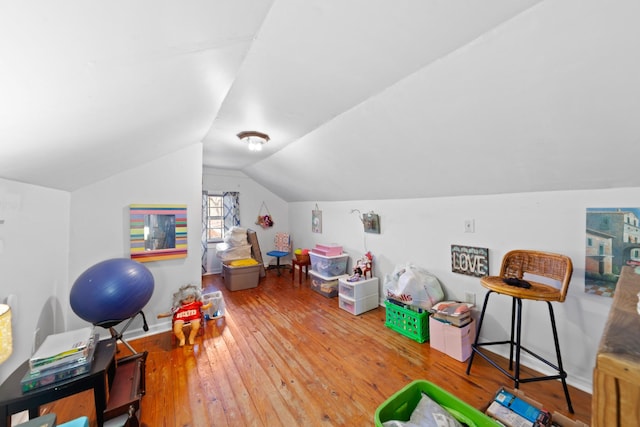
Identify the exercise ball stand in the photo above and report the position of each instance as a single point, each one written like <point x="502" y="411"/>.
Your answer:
<point x="118" y="335"/>
<point x="112" y="292"/>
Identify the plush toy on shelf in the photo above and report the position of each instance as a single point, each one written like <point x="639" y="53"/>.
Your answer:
<point x="187" y="307"/>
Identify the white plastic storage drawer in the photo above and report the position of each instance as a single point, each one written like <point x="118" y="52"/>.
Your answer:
<point x="360" y="289"/>
<point x="358" y="306"/>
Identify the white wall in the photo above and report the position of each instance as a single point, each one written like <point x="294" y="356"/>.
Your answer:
<point x="422" y="231"/>
<point x="416" y="230"/>
<point x="252" y="194"/>
<point x="34" y="248"/>
<point x="100" y="226"/>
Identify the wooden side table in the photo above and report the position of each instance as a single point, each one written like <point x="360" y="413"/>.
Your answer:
<point x="13" y="400"/>
<point x="118" y="386"/>
<point x="301" y="264"/>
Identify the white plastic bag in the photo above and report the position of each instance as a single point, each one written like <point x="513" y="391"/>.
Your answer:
<point x="413" y="285"/>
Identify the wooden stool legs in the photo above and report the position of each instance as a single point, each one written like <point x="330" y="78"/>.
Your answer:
<point x="301" y="265"/>
<point x="515" y="343"/>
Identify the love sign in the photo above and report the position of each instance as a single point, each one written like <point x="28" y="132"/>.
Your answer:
<point x="469" y="260"/>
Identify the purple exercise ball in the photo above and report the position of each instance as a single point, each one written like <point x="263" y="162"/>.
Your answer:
<point x="115" y="289"/>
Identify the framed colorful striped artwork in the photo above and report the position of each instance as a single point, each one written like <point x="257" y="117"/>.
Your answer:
<point x="158" y="232"/>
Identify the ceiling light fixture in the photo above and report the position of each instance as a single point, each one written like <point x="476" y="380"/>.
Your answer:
<point x="254" y="139"/>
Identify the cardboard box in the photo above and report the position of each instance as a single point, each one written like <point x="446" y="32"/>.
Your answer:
<point x="561" y="421"/>
<point x="506" y="416"/>
<point x="452" y="340"/>
<point x="520" y="406"/>
<point x="241" y="277"/>
<point x="544" y="419"/>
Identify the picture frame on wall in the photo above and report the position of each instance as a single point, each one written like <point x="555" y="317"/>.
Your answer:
<point x="157" y="232"/>
<point x="371" y="223"/>
<point x="316" y="221"/>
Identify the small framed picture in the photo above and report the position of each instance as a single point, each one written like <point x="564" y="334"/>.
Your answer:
<point x="371" y="223"/>
<point x="316" y="221"/>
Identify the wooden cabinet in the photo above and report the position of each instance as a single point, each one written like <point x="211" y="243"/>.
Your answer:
<point x="126" y="387"/>
<point x="616" y="377"/>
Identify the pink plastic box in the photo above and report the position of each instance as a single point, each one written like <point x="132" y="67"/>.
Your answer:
<point x="327" y="250"/>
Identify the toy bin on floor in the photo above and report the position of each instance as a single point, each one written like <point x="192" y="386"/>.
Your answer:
<point x="400" y="406"/>
<point x="329" y="266"/>
<point x="217" y="305"/>
<point x="407" y="322"/>
<point x="241" y="274"/>
<point x="326" y="286"/>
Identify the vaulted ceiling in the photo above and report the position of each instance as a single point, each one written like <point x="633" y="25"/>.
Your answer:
<point x="361" y="99"/>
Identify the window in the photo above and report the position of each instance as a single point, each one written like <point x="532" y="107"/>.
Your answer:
<point x="215" y="218"/>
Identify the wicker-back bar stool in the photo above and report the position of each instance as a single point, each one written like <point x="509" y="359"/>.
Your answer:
<point x="531" y="275"/>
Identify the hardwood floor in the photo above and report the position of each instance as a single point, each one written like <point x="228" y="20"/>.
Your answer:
<point x="286" y="356"/>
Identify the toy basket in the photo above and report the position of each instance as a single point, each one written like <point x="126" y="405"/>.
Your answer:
<point x="408" y="323"/>
<point x="304" y="258"/>
<point x="401" y="405"/>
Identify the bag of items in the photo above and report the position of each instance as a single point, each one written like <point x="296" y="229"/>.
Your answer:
<point x="412" y="285"/>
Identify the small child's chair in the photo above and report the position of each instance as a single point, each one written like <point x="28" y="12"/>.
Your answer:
<point x="200" y="333"/>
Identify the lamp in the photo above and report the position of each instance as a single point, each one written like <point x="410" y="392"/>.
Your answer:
<point x="6" y="343"/>
<point x="254" y="139"/>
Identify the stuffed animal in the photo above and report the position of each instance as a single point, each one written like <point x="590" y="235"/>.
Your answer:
<point x="187" y="307"/>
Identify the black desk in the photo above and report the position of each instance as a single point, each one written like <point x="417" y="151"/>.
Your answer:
<point x="13" y="400"/>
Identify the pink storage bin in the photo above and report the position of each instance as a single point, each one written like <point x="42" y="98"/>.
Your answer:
<point x="327" y="250"/>
<point x="455" y="342"/>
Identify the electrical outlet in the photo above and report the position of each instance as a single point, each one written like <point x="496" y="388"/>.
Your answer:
<point x="470" y="297"/>
<point x="469" y="226"/>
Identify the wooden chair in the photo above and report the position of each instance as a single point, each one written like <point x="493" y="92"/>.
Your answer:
<point x="542" y="271"/>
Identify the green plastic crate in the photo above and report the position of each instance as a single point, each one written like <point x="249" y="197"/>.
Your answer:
<point x="400" y="406"/>
<point x="408" y="323"/>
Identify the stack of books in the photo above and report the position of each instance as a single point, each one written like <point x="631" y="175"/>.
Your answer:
<point x="59" y="357"/>
<point x="452" y="312"/>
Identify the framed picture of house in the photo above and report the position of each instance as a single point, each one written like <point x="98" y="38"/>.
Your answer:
<point x="612" y="243"/>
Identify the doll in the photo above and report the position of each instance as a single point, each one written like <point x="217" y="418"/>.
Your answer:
<point x="363" y="266"/>
<point x="187" y="307"/>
